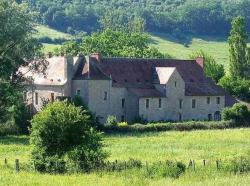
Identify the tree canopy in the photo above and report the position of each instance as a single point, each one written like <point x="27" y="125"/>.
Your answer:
<point x="17" y="46"/>
<point x="114" y="44"/>
<point x="176" y="16"/>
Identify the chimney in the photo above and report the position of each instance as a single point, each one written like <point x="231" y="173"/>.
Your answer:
<point x="97" y="56"/>
<point x="200" y="61"/>
<point x="68" y="67"/>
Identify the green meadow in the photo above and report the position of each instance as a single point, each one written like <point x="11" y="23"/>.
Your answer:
<point x="149" y="147"/>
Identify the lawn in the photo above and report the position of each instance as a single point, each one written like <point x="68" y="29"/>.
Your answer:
<point x="151" y="147"/>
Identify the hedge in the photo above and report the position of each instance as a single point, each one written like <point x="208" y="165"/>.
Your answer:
<point x="159" y="127"/>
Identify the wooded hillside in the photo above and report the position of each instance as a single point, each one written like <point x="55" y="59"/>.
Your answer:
<point x="208" y="17"/>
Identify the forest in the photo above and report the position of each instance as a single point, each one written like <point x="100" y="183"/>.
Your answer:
<point x="178" y="17"/>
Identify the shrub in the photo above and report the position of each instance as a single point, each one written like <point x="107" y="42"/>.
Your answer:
<point x="238" y="165"/>
<point x="62" y="137"/>
<point x="239" y="113"/>
<point x="111" y="121"/>
<point x="236" y="87"/>
<point x="166" y="169"/>
<point x="122" y="124"/>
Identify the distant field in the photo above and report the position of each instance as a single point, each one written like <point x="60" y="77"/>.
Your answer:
<point x="44" y="31"/>
<point x="151" y="147"/>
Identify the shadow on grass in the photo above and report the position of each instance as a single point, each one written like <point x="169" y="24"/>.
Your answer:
<point x="14" y="140"/>
<point x="186" y="39"/>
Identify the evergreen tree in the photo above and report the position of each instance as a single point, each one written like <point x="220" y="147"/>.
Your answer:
<point x="238" y="48"/>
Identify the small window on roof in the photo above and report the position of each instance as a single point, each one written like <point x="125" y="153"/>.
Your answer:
<point x="125" y="80"/>
<point x="114" y="81"/>
<point x="138" y="80"/>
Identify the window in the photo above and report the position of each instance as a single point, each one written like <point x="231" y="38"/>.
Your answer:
<point x="122" y="118"/>
<point x="218" y="100"/>
<point x="123" y="102"/>
<point x="208" y="100"/>
<point x="180" y="117"/>
<point x="36" y="98"/>
<point x="175" y="84"/>
<point x="52" y="97"/>
<point x="105" y="95"/>
<point x="159" y="103"/>
<point x="209" y="117"/>
<point x="180" y="103"/>
<point x="147" y="103"/>
<point x="78" y="92"/>
<point x="193" y="103"/>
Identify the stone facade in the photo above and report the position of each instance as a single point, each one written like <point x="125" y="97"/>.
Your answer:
<point x="164" y="93"/>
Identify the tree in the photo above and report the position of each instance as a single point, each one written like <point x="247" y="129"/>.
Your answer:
<point x="63" y="138"/>
<point x="17" y="47"/>
<point x="212" y="69"/>
<point x="238" y="48"/>
<point x="120" y="44"/>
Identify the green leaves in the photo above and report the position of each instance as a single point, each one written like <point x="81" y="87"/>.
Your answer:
<point x="238" y="48"/>
<point x="212" y="69"/>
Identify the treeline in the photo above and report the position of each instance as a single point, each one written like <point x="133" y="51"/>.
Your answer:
<point x="208" y="17"/>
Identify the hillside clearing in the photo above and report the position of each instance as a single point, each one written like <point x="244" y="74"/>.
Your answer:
<point x="151" y="147"/>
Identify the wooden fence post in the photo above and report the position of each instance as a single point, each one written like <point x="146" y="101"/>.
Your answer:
<point x="5" y="161"/>
<point x="204" y="163"/>
<point x="190" y="164"/>
<point x="217" y="164"/>
<point x="17" y="165"/>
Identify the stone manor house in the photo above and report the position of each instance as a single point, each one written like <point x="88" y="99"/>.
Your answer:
<point x="128" y="88"/>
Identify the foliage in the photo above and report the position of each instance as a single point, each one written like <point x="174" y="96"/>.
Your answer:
<point x="62" y="132"/>
<point x="16" y="44"/>
<point x="166" y="169"/>
<point x="238" y="113"/>
<point x="157" y="127"/>
<point x="122" y="124"/>
<point x="111" y="121"/>
<point x="236" y="87"/>
<point x="212" y="69"/>
<point x="238" y="48"/>
<point x="173" y="16"/>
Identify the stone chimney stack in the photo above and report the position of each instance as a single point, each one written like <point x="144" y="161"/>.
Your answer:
<point x="200" y="61"/>
<point x="68" y="67"/>
<point x="96" y="56"/>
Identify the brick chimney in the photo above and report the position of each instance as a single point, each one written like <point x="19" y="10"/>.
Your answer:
<point x="97" y="56"/>
<point x="200" y="61"/>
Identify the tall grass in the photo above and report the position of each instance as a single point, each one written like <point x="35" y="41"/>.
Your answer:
<point x="150" y="147"/>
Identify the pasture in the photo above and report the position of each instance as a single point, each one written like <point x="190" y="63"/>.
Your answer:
<point x="151" y="147"/>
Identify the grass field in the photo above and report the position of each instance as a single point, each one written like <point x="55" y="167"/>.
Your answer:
<point x="44" y="31"/>
<point x="217" y="47"/>
<point x="151" y="147"/>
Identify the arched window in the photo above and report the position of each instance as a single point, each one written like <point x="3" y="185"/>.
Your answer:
<point x="217" y="116"/>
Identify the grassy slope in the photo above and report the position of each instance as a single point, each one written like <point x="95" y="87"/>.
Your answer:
<point x="217" y="47"/>
<point x="197" y="145"/>
<point x="44" y="31"/>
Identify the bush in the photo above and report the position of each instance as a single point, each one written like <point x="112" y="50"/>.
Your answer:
<point x="239" y="113"/>
<point x="238" y="165"/>
<point x="9" y="128"/>
<point x="166" y="169"/>
<point x="62" y="137"/>
<point x="122" y="124"/>
<point x="158" y="127"/>
<point x="236" y="87"/>
<point x="111" y="121"/>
